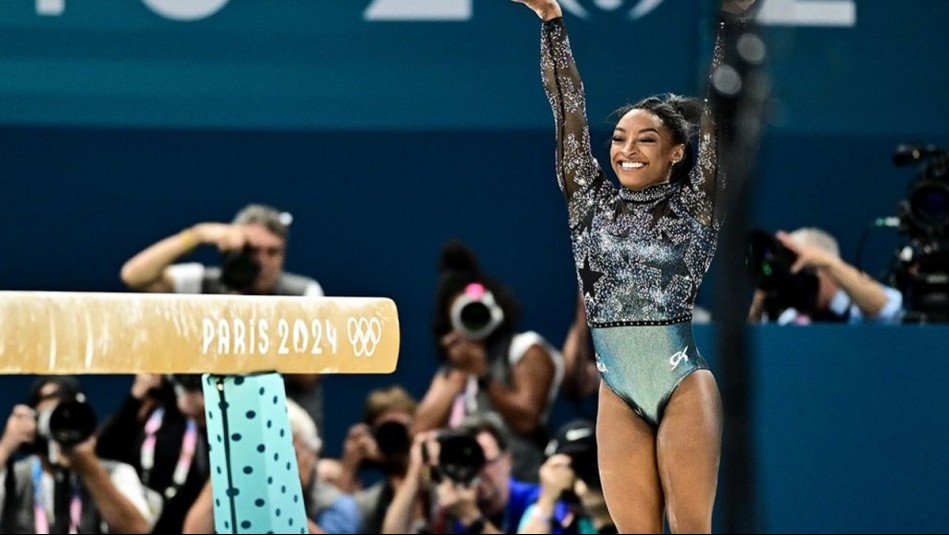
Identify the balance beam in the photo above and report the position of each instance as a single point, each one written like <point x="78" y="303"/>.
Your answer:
<point x="126" y="333"/>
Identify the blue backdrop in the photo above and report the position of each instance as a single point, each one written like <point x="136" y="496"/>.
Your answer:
<point x="389" y="126"/>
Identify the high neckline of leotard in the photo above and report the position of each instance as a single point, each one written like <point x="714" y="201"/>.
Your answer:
<point x="652" y="193"/>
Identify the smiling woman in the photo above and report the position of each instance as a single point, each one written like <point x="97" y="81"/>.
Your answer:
<point x="641" y="252"/>
<point x="650" y="139"/>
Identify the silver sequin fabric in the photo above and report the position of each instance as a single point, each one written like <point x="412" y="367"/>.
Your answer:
<point x="640" y="255"/>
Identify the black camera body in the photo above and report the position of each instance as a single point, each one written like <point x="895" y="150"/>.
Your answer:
<point x="925" y="211"/>
<point x="769" y="263"/>
<point x="239" y="268"/>
<point x="921" y="271"/>
<point x="460" y="458"/>
<point x="68" y="423"/>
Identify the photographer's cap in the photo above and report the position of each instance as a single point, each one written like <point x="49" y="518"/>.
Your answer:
<point x="577" y="436"/>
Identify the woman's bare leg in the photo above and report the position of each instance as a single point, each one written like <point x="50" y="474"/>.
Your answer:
<point x="689" y="445"/>
<point x="626" y="447"/>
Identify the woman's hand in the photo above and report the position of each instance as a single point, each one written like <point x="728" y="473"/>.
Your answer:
<point x="545" y="9"/>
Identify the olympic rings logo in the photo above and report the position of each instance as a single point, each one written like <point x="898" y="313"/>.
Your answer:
<point x="364" y="335"/>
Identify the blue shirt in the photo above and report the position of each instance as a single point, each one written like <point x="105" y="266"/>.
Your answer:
<point x="843" y="306"/>
<point x="341" y="516"/>
<point x="522" y="495"/>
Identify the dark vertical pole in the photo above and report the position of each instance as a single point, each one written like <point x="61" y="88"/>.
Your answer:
<point x="739" y="92"/>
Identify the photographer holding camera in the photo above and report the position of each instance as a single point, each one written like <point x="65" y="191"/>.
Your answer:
<point x="160" y="431"/>
<point x="571" y="495"/>
<point x="465" y="473"/>
<point x="253" y="250"/>
<point x="488" y="366"/>
<point x="380" y="441"/>
<point x="817" y="285"/>
<point x="61" y="486"/>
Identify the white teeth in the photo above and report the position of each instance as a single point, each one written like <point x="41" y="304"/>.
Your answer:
<point x="632" y="165"/>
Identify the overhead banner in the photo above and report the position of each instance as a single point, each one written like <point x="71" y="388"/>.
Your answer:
<point x="436" y="64"/>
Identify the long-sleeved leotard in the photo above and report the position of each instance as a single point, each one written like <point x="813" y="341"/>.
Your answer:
<point x="640" y="255"/>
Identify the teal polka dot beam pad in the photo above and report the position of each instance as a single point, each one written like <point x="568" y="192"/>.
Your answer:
<point x="254" y="472"/>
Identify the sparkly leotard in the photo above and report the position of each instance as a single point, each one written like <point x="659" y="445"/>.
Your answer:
<point x="640" y="255"/>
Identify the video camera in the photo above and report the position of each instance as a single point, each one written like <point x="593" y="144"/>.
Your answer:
<point x="460" y="457"/>
<point x="476" y="314"/>
<point x="922" y="268"/>
<point x="925" y="211"/>
<point x="769" y="263"/>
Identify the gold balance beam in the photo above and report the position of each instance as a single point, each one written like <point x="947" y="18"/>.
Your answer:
<point x="125" y="333"/>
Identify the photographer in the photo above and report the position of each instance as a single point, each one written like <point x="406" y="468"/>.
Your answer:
<point x="841" y="292"/>
<point x="466" y="472"/>
<point x="165" y="443"/>
<point x="571" y="495"/>
<point x="489" y="367"/>
<point x="380" y="441"/>
<point x="61" y="486"/>
<point x="253" y="250"/>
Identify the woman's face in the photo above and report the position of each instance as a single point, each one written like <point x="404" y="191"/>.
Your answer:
<point x="642" y="151"/>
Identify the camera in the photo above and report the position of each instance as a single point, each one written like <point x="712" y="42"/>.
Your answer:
<point x="476" y="314"/>
<point x="69" y="422"/>
<point x="921" y="271"/>
<point x="925" y="211"/>
<point x="577" y="440"/>
<point x="460" y="458"/>
<point x="769" y="263"/>
<point x="393" y="439"/>
<point x="239" y="268"/>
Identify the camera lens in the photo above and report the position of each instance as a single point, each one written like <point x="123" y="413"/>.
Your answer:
<point x="239" y="269"/>
<point x="460" y="457"/>
<point x="767" y="259"/>
<point x="393" y="439"/>
<point x="475" y="316"/>
<point x="68" y="423"/>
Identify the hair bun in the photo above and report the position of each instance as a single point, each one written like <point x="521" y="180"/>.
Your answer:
<point x="456" y="256"/>
<point x="690" y="108"/>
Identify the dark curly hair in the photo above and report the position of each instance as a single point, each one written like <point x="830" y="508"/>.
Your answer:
<point x="681" y="115"/>
<point x="458" y="267"/>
